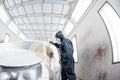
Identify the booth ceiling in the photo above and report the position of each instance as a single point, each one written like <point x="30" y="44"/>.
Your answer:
<point x="38" y="19"/>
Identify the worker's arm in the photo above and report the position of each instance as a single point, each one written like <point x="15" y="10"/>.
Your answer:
<point x="53" y="43"/>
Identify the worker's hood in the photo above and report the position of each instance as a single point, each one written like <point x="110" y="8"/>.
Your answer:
<point x="59" y="35"/>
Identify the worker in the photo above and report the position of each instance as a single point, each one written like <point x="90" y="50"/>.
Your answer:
<point x="65" y="47"/>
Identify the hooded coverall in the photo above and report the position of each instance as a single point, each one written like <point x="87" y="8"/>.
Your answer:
<point x="67" y="60"/>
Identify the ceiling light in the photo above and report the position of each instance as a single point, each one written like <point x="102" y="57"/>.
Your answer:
<point x="3" y="14"/>
<point x="69" y="28"/>
<point x="13" y="27"/>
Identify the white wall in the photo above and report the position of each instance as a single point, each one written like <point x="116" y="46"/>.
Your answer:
<point x="91" y="33"/>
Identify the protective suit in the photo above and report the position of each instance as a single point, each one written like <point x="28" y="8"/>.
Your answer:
<point x="67" y="60"/>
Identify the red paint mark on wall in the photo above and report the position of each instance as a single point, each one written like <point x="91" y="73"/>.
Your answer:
<point x="100" y="52"/>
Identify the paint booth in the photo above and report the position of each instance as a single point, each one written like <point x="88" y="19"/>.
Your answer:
<point x="27" y="26"/>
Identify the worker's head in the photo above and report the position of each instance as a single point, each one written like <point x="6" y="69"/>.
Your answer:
<point x="59" y="36"/>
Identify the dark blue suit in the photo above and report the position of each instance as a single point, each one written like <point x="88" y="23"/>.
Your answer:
<point x="66" y="52"/>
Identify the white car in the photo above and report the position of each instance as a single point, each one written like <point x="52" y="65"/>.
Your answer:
<point x="19" y="63"/>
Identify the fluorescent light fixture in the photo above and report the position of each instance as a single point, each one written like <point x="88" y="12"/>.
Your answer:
<point x="75" y="49"/>
<point x="3" y="14"/>
<point x="22" y="36"/>
<point x="69" y="28"/>
<point x="80" y="8"/>
<point x="7" y="37"/>
<point x="13" y="27"/>
<point x="112" y="21"/>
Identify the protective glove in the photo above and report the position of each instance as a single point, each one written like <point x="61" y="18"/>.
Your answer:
<point x="51" y="42"/>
